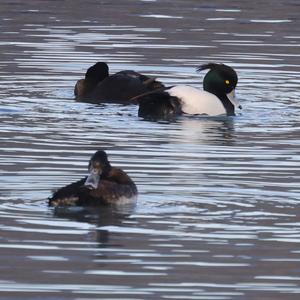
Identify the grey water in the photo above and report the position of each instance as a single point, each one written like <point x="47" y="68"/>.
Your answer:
<point x="217" y="215"/>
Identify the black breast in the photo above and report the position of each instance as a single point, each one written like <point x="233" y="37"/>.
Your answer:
<point x="159" y="105"/>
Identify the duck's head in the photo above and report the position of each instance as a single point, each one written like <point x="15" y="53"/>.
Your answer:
<point x="98" y="165"/>
<point x="97" y="72"/>
<point x="93" y="76"/>
<point x="221" y="80"/>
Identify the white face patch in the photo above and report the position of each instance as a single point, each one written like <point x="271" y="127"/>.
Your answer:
<point x="92" y="180"/>
<point x="233" y="100"/>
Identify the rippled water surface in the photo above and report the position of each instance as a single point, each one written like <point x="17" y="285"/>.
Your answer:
<point x="217" y="215"/>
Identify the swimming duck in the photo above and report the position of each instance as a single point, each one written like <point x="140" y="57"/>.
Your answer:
<point x="216" y="98"/>
<point x="104" y="185"/>
<point x="98" y="86"/>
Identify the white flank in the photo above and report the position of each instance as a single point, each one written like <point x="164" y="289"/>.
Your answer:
<point x="196" y="102"/>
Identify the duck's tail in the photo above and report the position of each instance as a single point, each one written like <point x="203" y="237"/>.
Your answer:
<point x="141" y="97"/>
<point x="158" y="104"/>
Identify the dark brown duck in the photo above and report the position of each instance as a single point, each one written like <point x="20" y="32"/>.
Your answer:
<point x="104" y="185"/>
<point x="98" y="86"/>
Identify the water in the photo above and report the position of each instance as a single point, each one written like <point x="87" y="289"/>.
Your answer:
<point x="218" y="208"/>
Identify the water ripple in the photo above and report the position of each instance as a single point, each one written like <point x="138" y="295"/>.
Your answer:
<point x="217" y="213"/>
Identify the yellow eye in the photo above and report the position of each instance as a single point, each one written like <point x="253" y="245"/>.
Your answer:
<point x="227" y="81"/>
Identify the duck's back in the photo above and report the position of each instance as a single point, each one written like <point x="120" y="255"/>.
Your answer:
<point x="195" y="101"/>
<point x="121" y="87"/>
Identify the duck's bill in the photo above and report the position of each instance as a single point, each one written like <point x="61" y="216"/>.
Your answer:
<point x="92" y="180"/>
<point x="232" y="98"/>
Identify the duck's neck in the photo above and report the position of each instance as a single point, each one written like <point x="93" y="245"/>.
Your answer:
<point x="106" y="171"/>
<point x="92" y="81"/>
<point x="225" y="101"/>
<point x="227" y="104"/>
<point x="83" y="88"/>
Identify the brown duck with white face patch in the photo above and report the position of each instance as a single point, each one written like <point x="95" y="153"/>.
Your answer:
<point x="103" y="186"/>
<point x="98" y="86"/>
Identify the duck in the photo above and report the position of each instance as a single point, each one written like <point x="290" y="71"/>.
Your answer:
<point x="98" y="86"/>
<point x="104" y="185"/>
<point x="217" y="97"/>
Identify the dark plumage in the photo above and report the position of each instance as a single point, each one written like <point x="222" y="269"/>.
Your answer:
<point x="98" y="86"/>
<point x="104" y="185"/>
<point x="159" y="105"/>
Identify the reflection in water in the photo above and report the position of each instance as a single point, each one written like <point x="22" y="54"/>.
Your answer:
<point x="202" y="130"/>
<point x="98" y="216"/>
<point x="217" y="214"/>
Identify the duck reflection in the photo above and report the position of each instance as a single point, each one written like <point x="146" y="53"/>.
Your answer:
<point x="199" y="130"/>
<point x="217" y="131"/>
<point x="99" y="216"/>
